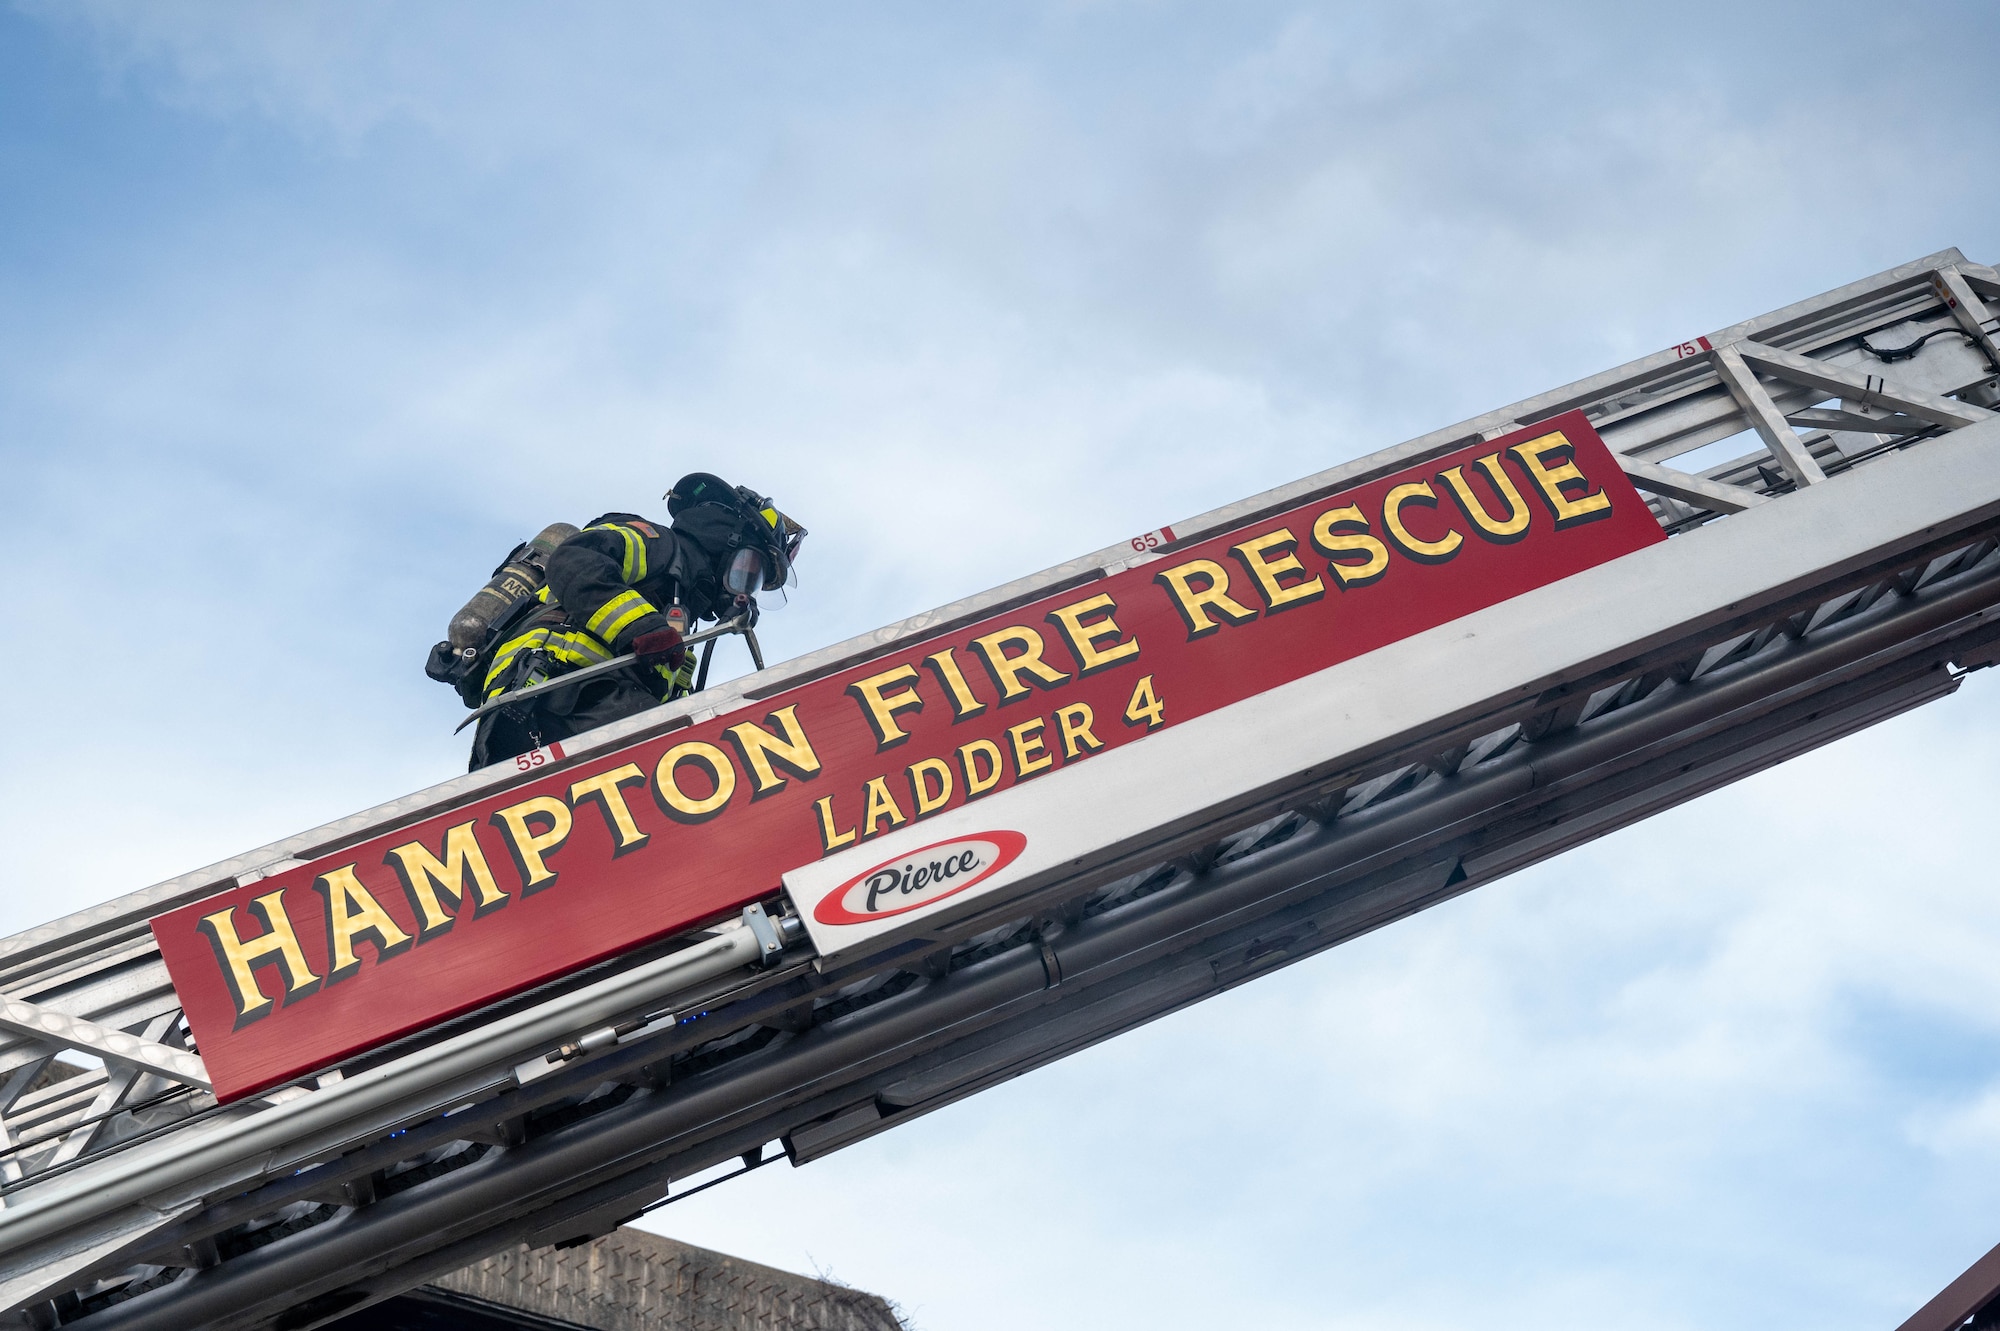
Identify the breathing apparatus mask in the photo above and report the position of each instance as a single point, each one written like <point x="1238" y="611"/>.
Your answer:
<point x="759" y="547"/>
<point x="745" y="574"/>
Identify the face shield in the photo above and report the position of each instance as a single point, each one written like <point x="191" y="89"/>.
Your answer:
<point x="792" y="535"/>
<point x="776" y="538"/>
<point x="745" y="574"/>
<point x="759" y="555"/>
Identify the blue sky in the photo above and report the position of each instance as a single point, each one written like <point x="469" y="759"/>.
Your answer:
<point x="308" y="312"/>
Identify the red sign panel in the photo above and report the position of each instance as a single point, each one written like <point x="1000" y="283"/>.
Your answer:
<point x="595" y="857"/>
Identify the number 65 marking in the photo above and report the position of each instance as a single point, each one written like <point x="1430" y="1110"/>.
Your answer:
<point x="1152" y="540"/>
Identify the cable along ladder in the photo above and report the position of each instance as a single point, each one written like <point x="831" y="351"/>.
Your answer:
<point x="1789" y="605"/>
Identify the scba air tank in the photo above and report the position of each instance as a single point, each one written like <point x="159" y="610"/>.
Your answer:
<point x="519" y="578"/>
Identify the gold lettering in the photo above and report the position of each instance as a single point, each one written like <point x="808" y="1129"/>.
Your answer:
<point x="1030" y="753"/>
<point x="1554" y="483"/>
<point x="829" y="839"/>
<point x="239" y="959"/>
<point x="424" y="875"/>
<point x="526" y="845"/>
<point x="1500" y="531"/>
<point x="964" y="702"/>
<point x="759" y="747"/>
<point x="1194" y="602"/>
<point x="1145" y="706"/>
<point x="1083" y="637"/>
<point x="881" y="699"/>
<point x="605" y="790"/>
<point x="881" y="804"/>
<point x="354" y="915"/>
<point x="929" y="801"/>
<point x="970" y="758"/>
<point x="676" y="803"/>
<point x="1417" y="548"/>
<point x="1270" y="559"/>
<point x="1006" y="670"/>
<point x="1343" y="531"/>
<point x="1074" y="721"/>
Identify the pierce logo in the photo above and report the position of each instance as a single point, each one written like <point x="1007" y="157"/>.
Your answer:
<point x="921" y="878"/>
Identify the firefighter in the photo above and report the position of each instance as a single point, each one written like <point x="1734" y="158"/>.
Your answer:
<point x="627" y="586"/>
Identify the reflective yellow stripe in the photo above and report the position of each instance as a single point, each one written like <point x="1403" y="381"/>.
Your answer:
<point x="627" y="619"/>
<point x="570" y="649"/>
<point x="635" y="555"/>
<point x="577" y="649"/>
<point x="679" y="681"/>
<point x="618" y="614"/>
<point x="513" y="647"/>
<point x="503" y="659"/>
<point x="634" y="565"/>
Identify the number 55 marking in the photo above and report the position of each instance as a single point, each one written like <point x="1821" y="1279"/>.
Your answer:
<point x="542" y="757"/>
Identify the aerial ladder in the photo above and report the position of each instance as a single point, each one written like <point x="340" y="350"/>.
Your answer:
<point x="791" y="912"/>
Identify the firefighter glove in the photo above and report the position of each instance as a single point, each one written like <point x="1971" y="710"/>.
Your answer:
<point x="660" y="647"/>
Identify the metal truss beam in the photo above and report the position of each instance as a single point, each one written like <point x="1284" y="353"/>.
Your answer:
<point x="1970" y="311"/>
<point x="145" y="1053"/>
<point x="128" y="1199"/>
<point x="1715" y="496"/>
<point x="1869" y="389"/>
<point x="1286" y="890"/>
<point x="1764" y="415"/>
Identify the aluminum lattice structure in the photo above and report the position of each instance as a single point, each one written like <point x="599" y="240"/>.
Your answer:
<point x="1804" y="610"/>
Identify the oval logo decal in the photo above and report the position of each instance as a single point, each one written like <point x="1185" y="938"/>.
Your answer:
<point x="920" y="878"/>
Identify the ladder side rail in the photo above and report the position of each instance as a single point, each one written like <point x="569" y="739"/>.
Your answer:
<point x="616" y="1177"/>
<point x="1786" y="731"/>
<point x="241" y="868"/>
<point x="1831" y="305"/>
<point x="1667" y="424"/>
<point x="122" y="997"/>
<point x="1970" y="310"/>
<point x="290" y="1135"/>
<point x="1810" y="325"/>
<point x="107" y="975"/>
<point x="1772" y="407"/>
<point x="84" y="1046"/>
<point x="407" y="803"/>
<point x="1709" y="628"/>
<point x="144" y="1052"/>
<point x="84" y="956"/>
<point x="1672" y="425"/>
